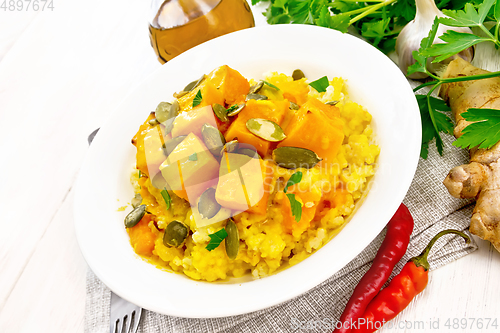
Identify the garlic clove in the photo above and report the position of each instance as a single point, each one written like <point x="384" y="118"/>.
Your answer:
<point x="411" y="36"/>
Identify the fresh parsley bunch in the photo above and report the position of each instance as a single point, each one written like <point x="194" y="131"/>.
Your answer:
<point x="434" y="112"/>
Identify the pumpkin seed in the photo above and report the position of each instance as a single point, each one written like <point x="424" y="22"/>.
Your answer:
<point x="256" y="97"/>
<point x="236" y="110"/>
<point x="192" y="85"/>
<point x="136" y="200"/>
<point x="213" y="138"/>
<point x="207" y="205"/>
<point x="248" y="152"/>
<point x="297" y="75"/>
<point x="256" y="88"/>
<point x="229" y="147"/>
<point x="265" y="129"/>
<point x="153" y="122"/>
<point x="220" y="112"/>
<point x="232" y="240"/>
<point x="294" y="157"/>
<point x="170" y="145"/>
<point x="332" y="103"/>
<point x="294" y="106"/>
<point x="166" y="112"/>
<point x="135" y="216"/>
<point x="159" y="181"/>
<point x="175" y="234"/>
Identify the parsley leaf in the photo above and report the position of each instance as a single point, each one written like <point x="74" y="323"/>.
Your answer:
<point x="216" y="238"/>
<point x="294" y="179"/>
<point x="455" y="43"/>
<point x="193" y="157"/>
<point x="296" y="207"/>
<point x="430" y="127"/>
<point x="271" y="85"/>
<point x="420" y="64"/>
<point x="231" y="108"/>
<point x="485" y="132"/>
<point x="320" y="84"/>
<point x="197" y="99"/>
<point x="166" y="197"/>
<point x="468" y="17"/>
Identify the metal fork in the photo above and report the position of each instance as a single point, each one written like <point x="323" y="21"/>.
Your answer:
<point x="123" y="315"/>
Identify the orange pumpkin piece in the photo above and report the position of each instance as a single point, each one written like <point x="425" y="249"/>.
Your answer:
<point x="317" y="127"/>
<point x="148" y="141"/>
<point x="309" y="199"/>
<point x="334" y="198"/>
<point x="191" y="121"/>
<point x="270" y="110"/>
<point x="295" y="91"/>
<point x="223" y="85"/>
<point x="141" y="237"/>
<point x="261" y="206"/>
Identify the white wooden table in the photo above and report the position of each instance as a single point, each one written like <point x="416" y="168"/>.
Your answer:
<point x="62" y="72"/>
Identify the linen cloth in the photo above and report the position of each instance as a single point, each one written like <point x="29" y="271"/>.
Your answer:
<point x="433" y="210"/>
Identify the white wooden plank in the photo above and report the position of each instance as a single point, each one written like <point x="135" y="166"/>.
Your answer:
<point x="49" y="296"/>
<point x="56" y="86"/>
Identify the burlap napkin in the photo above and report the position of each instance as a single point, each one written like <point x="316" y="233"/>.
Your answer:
<point x="433" y="210"/>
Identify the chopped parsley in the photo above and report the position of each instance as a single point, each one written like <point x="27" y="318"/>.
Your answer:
<point x="193" y="157"/>
<point x="232" y="107"/>
<point x="296" y="207"/>
<point x="294" y="179"/>
<point x="197" y="99"/>
<point x="216" y="238"/>
<point x="320" y="84"/>
<point x="166" y="197"/>
<point x="271" y="85"/>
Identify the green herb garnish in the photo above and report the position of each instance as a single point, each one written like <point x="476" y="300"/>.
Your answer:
<point x="434" y="121"/>
<point x="486" y="121"/>
<point x="140" y="174"/>
<point x="232" y="107"/>
<point x="216" y="238"/>
<point x="166" y="197"/>
<point x="193" y="157"/>
<point x="294" y="179"/>
<point x="320" y="84"/>
<point x="296" y="206"/>
<point x="197" y="99"/>
<point x="271" y="85"/>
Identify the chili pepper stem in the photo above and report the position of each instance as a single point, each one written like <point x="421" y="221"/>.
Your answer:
<point x="421" y="260"/>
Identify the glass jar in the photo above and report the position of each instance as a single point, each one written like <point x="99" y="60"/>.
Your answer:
<point x="178" y="25"/>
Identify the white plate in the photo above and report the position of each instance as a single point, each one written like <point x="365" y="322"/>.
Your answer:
<point x="103" y="185"/>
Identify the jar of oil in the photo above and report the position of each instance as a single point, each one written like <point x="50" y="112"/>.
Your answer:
<point x="178" y="25"/>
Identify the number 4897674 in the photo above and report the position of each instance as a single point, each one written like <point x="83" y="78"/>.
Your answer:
<point x="26" y="5"/>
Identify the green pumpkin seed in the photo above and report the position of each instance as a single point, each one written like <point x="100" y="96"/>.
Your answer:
<point x="297" y="75"/>
<point x="220" y="112"/>
<point x="248" y="152"/>
<point x="256" y="88"/>
<point x="213" y="138"/>
<point x="229" y="147"/>
<point x="256" y="97"/>
<point x="265" y="129"/>
<point x="175" y="234"/>
<point x="332" y="103"/>
<point x="135" y="216"/>
<point x="207" y="205"/>
<point x="136" y="200"/>
<point x="170" y="145"/>
<point x="236" y="110"/>
<point x="154" y="122"/>
<point x="232" y="240"/>
<point x="159" y="181"/>
<point x="294" y="157"/>
<point x="192" y="85"/>
<point x="294" y="106"/>
<point x="166" y="112"/>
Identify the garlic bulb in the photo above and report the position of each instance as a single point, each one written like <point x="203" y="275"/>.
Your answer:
<point x="412" y="34"/>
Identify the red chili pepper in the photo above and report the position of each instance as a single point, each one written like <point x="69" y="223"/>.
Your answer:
<point x="391" y="251"/>
<point x="403" y="288"/>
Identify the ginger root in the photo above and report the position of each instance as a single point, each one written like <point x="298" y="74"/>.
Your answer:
<point x="480" y="178"/>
